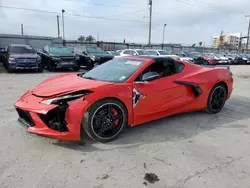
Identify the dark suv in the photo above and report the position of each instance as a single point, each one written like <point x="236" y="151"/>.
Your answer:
<point x="19" y="56"/>
<point x="54" y="57"/>
<point x="90" y="56"/>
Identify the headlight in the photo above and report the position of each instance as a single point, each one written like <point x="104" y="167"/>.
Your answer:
<point x="38" y="59"/>
<point x="12" y="60"/>
<point x="77" y="58"/>
<point x="94" y="58"/>
<point x="66" y="98"/>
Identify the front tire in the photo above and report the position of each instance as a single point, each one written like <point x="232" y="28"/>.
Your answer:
<point x="216" y="99"/>
<point x="105" y="120"/>
<point x="89" y="65"/>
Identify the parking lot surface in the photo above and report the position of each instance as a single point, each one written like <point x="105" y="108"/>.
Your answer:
<point x="192" y="150"/>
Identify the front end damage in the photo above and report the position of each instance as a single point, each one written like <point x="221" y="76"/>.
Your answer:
<point x="59" y="119"/>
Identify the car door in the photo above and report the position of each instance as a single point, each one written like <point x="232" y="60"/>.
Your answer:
<point x="157" y="98"/>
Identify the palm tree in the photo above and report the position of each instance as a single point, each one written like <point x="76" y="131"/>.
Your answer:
<point x="90" y="38"/>
<point x="81" y="38"/>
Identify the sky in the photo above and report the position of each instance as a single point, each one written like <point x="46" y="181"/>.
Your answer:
<point x="188" y="21"/>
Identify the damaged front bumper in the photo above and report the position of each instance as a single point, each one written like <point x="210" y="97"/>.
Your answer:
<point x="62" y="122"/>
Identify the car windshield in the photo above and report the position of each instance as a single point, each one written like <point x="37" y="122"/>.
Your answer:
<point x="152" y="52"/>
<point x="162" y="52"/>
<point x="116" y="70"/>
<point x="142" y="52"/>
<point x="60" y="50"/>
<point x="22" y="49"/>
<point x="95" y="50"/>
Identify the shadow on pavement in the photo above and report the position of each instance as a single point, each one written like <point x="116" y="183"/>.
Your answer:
<point x="173" y="128"/>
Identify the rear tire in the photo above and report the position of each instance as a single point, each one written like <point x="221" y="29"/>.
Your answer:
<point x="100" y="122"/>
<point x="10" y="70"/>
<point x="216" y="99"/>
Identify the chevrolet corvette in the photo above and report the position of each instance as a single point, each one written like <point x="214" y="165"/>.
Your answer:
<point x="125" y="91"/>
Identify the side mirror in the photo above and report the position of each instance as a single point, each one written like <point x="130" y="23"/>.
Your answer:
<point x="149" y="76"/>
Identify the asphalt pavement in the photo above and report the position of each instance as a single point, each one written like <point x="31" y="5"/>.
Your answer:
<point x="192" y="150"/>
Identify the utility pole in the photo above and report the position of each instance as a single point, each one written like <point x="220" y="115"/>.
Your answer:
<point x="58" y="26"/>
<point x="22" y="29"/>
<point x="63" y="23"/>
<point x="248" y="32"/>
<point x="163" y="35"/>
<point x="150" y="21"/>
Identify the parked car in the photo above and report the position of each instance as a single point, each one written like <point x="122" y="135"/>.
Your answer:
<point x="223" y="59"/>
<point x="245" y="58"/>
<point x="114" y="53"/>
<point x="123" y="92"/>
<point x="184" y="57"/>
<point x="58" y="57"/>
<point x="20" y="56"/>
<point x="162" y="53"/>
<point x="134" y="52"/>
<point x="91" y="56"/>
<point x="208" y="58"/>
<point x="197" y="58"/>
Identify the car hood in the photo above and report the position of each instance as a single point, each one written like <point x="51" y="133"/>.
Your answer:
<point x="24" y="55"/>
<point x="65" y="83"/>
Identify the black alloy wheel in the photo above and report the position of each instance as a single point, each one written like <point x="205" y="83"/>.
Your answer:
<point x="105" y="120"/>
<point x="216" y="99"/>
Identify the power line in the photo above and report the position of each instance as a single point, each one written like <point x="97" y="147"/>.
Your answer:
<point x="99" y="4"/>
<point x="76" y="15"/>
<point x="196" y="3"/>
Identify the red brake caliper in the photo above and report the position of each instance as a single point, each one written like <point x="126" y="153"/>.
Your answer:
<point x="115" y="114"/>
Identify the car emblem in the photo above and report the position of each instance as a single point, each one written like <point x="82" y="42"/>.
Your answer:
<point x="137" y="96"/>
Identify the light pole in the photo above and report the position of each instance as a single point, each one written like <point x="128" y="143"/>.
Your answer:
<point x="248" y="32"/>
<point x="163" y="35"/>
<point x="63" y="23"/>
<point x="150" y="21"/>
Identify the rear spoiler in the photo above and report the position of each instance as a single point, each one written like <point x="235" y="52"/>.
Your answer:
<point x="214" y="66"/>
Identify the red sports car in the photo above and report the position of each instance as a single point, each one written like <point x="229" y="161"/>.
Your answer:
<point x="126" y="91"/>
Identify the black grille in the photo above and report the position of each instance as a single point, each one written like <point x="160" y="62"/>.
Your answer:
<point x="26" y="60"/>
<point x="25" y="116"/>
<point x="67" y="59"/>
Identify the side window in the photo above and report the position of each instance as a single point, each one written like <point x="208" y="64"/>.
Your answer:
<point x="164" y="68"/>
<point x="126" y="52"/>
<point x="179" y="67"/>
<point x="129" y="52"/>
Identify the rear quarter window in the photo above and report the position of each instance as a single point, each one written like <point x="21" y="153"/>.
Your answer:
<point x="179" y="67"/>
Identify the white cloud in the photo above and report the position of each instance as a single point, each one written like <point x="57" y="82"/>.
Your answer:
<point x="189" y="21"/>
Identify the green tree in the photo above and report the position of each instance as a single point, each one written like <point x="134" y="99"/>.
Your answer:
<point x="81" y="38"/>
<point x="90" y="38"/>
<point x="200" y="43"/>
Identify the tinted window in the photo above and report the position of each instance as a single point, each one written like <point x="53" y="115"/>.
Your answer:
<point x="116" y="70"/>
<point x="142" y="52"/>
<point x="152" y="53"/>
<point x="56" y="50"/>
<point x="179" y="67"/>
<point x="96" y="50"/>
<point x="21" y="49"/>
<point x="115" y="53"/>
<point x="80" y="50"/>
<point x="130" y="52"/>
<point x="162" y="52"/>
